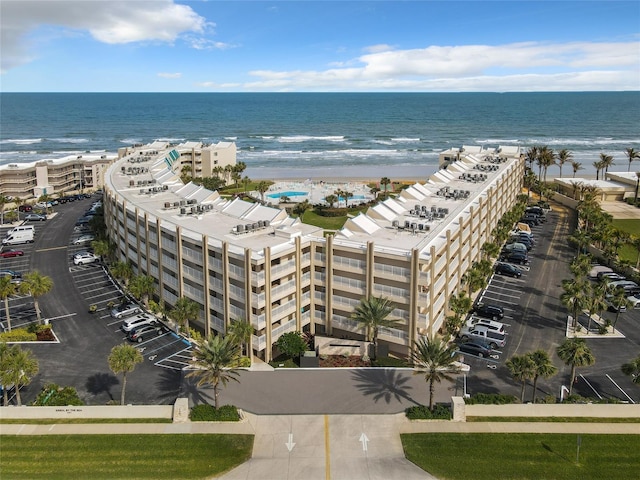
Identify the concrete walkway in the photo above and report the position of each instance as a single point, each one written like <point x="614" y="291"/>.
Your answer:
<point x="324" y="447"/>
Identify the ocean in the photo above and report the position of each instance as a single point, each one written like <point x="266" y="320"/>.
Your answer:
<point x="297" y="135"/>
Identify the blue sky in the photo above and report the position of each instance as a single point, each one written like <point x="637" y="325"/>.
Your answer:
<point x="241" y="46"/>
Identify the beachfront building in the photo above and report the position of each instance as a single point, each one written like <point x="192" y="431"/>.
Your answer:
<point x="201" y="159"/>
<point x="74" y="173"/>
<point x="616" y="186"/>
<point x="246" y="261"/>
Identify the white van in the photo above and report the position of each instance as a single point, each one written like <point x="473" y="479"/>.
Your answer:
<point x="21" y="228"/>
<point x="18" y="237"/>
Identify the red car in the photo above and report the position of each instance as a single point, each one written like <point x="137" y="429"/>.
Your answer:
<point x="11" y="253"/>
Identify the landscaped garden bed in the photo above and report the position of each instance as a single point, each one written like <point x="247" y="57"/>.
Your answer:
<point x="328" y="361"/>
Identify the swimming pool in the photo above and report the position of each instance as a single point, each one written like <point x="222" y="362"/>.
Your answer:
<point x="287" y="194"/>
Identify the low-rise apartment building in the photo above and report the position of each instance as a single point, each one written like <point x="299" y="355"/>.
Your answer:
<point x="242" y="260"/>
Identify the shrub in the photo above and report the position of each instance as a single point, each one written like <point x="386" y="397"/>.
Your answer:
<point x="18" y="335"/>
<point x="208" y="413"/>
<point x="490" y="399"/>
<point x="243" y="362"/>
<point x="54" y="395"/>
<point x="422" y="412"/>
<point x="389" y="362"/>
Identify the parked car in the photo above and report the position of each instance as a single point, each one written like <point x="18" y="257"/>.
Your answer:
<point x="535" y="209"/>
<point x="138" y="320"/>
<point x="634" y="300"/>
<point x="25" y="208"/>
<point x="83" y="258"/>
<point x="35" y="217"/>
<point x="481" y="333"/>
<point x="140" y="333"/>
<point x="507" y="269"/>
<point x="631" y="288"/>
<point x="515" y="257"/>
<point x="611" y="276"/>
<point x="82" y="239"/>
<point x="493" y="312"/>
<point x="475" y="348"/>
<point x="125" y="310"/>
<point x="15" y="276"/>
<point x="10" y="253"/>
<point x="484" y="322"/>
<point x="515" y="247"/>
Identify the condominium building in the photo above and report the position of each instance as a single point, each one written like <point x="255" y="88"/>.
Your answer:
<point x="54" y="177"/>
<point x="242" y="260"/>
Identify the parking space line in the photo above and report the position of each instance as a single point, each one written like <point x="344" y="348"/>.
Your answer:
<point x="591" y="386"/>
<point x="619" y="388"/>
<point x="50" y="249"/>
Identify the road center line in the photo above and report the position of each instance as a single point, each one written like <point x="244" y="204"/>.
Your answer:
<point x="51" y="248"/>
<point x="327" y="451"/>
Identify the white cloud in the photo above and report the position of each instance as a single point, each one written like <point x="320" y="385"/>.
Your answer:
<point x="169" y="75"/>
<point x="107" y="21"/>
<point x="523" y="67"/>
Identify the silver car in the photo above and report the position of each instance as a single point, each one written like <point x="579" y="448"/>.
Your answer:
<point x="125" y="310"/>
<point x="138" y="320"/>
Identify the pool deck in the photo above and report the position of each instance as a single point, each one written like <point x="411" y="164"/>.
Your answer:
<point x="317" y="190"/>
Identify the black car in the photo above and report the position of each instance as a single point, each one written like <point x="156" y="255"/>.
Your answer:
<point x="475" y="348"/>
<point x="145" y="331"/>
<point x="494" y="312"/>
<point x="507" y="269"/>
<point x="515" y="257"/>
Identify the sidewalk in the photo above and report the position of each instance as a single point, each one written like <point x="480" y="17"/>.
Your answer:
<point x="349" y="447"/>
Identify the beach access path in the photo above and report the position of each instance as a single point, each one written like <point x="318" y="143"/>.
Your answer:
<point x="324" y="447"/>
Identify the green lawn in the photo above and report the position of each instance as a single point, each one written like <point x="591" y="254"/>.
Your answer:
<point x="628" y="225"/>
<point x="327" y="223"/>
<point x="453" y="456"/>
<point x="122" y="456"/>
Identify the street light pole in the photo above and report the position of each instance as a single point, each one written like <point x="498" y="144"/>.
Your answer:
<point x="637" y="185"/>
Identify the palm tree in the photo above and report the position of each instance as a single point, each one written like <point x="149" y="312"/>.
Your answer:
<point x="122" y="271"/>
<point x="331" y="199"/>
<point x="339" y="194"/>
<point x="142" y="287"/>
<point x="599" y="165"/>
<point x="372" y="313"/>
<point x="261" y="188"/>
<point x="123" y="359"/>
<point x="576" y="353"/>
<point x="475" y="279"/>
<point x="575" y="167"/>
<point x="242" y="332"/>
<point x="3" y="203"/>
<point x="574" y="297"/>
<point x="530" y="181"/>
<point x="18" y="368"/>
<point x="384" y="181"/>
<point x="542" y="367"/>
<point x="435" y="359"/>
<point x="347" y="196"/>
<point x="102" y="248"/>
<point x="491" y="250"/>
<point x="546" y="158"/>
<point x="184" y="310"/>
<point x="619" y="301"/>
<point x="580" y="266"/>
<point x="531" y="156"/>
<point x="36" y="285"/>
<point x="563" y="156"/>
<point x="632" y="154"/>
<point x="7" y="289"/>
<point x="5" y="352"/>
<point x="245" y="181"/>
<point x="213" y="360"/>
<point x="632" y="369"/>
<point x="597" y="297"/>
<point x="607" y="161"/>
<point x="301" y="208"/>
<point x="522" y="369"/>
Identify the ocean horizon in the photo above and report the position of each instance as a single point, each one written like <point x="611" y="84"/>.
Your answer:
<point x="299" y="135"/>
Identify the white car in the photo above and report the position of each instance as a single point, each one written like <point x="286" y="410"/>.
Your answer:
<point x="138" y="321"/>
<point x="125" y="310"/>
<point x="82" y="239"/>
<point x="83" y="258"/>
<point x="635" y="301"/>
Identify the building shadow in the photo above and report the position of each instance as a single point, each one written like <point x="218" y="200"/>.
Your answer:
<point x="383" y="385"/>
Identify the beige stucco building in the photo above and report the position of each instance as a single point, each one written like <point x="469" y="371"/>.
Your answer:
<point x="52" y="177"/>
<point x="241" y="260"/>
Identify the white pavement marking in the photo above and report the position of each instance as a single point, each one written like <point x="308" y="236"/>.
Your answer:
<point x="290" y="443"/>
<point x="591" y="386"/>
<point x="61" y="316"/>
<point x="364" y="439"/>
<point x="619" y="388"/>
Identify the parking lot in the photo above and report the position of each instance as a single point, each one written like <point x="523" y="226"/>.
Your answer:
<point x="86" y="338"/>
<point x="535" y="319"/>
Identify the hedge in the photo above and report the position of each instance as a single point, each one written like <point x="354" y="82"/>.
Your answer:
<point x="208" y="413"/>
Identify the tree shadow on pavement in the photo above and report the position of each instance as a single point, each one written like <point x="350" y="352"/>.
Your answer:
<point x="383" y="384"/>
<point x="101" y="383"/>
<point x="169" y="385"/>
<point x="195" y="394"/>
